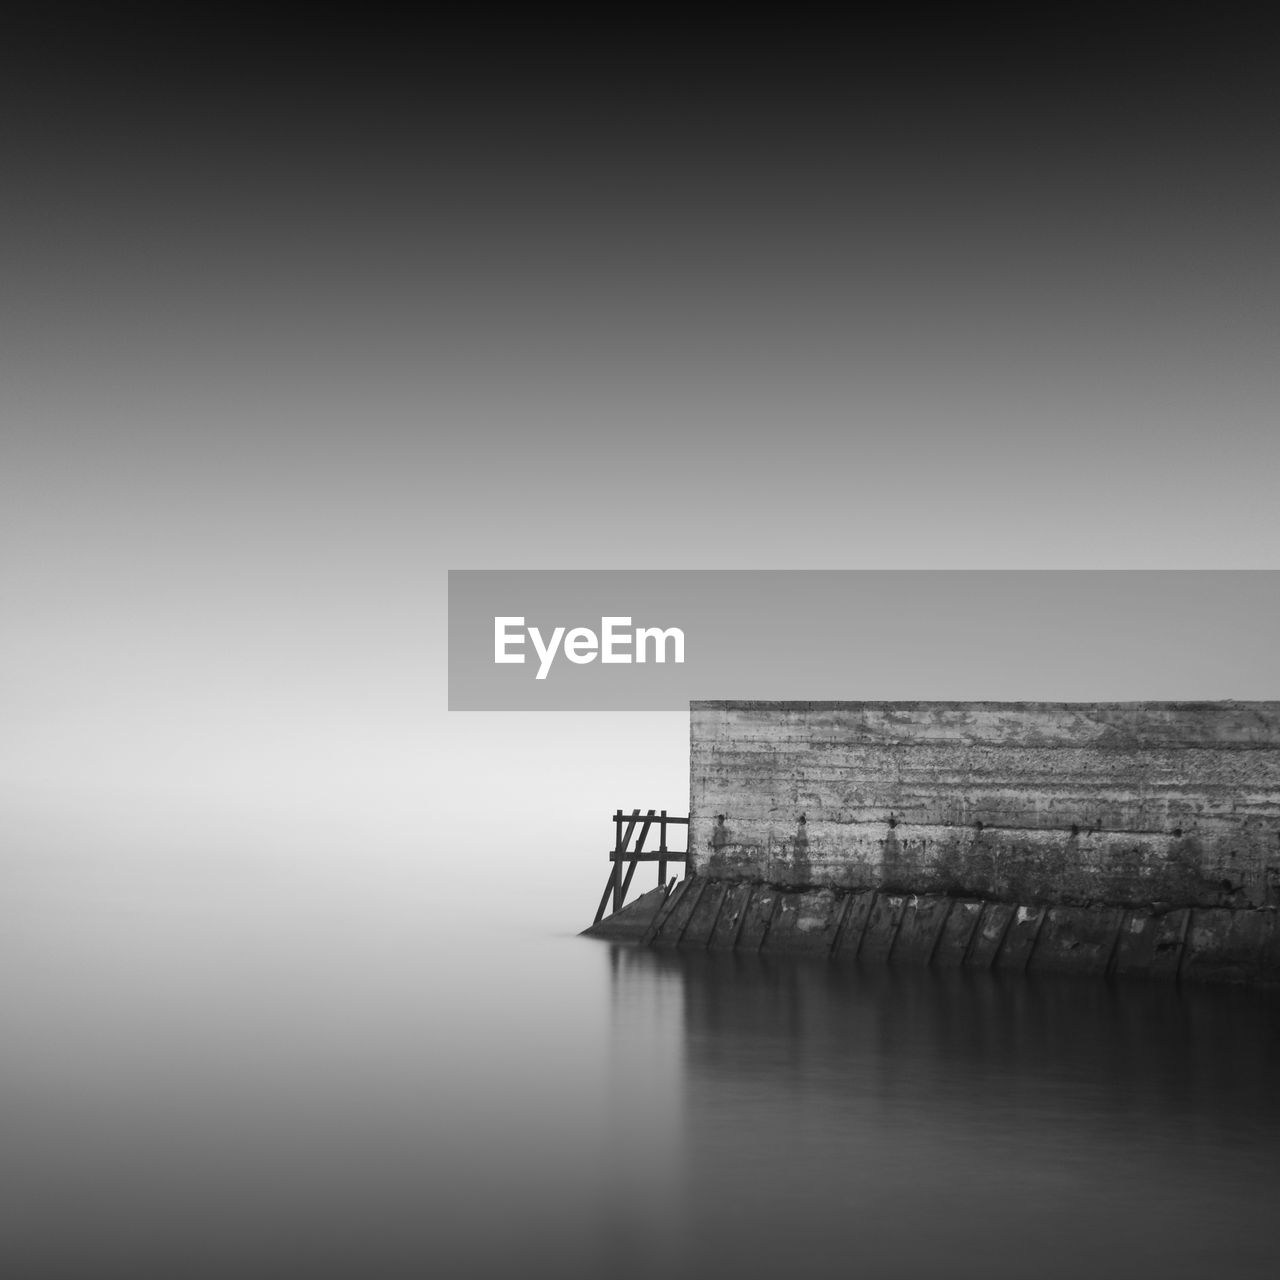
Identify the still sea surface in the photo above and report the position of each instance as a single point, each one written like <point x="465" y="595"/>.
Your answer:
<point x="226" y="1078"/>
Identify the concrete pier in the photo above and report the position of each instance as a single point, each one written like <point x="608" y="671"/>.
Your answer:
<point x="1107" y="838"/>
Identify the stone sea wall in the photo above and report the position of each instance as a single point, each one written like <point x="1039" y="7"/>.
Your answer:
<point x="1190" y="944"/>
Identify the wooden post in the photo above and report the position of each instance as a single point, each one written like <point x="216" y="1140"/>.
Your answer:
<point x="715" y="920"/>
<point x="834" y="949"/>
<point x="973" y="933"/>
<point x="937" y="937"/>
<point x="866" y="922"/>
<point x="644" y="831"/>
<point x="624" y="839"/>
<point x="702" y="888"/>
<point x="1035" y="938"/>
<point x="662" y="848"/>
<point x="663" y="914"/>
<point x="897" y="925"/>
<point x="1182" y="944"/>
<point x="768" y="924"/>
<point x="604" y="898"/>
<point x="742" y="916"/>
<point x="1004" y="933"/>
<point x="1109" y="969"/>
<point x="631" y="870"/>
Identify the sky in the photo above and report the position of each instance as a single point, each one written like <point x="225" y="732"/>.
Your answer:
<point x="296" y="318"/>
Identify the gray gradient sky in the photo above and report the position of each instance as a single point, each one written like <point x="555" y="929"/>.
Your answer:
<point x="287" y="333"/>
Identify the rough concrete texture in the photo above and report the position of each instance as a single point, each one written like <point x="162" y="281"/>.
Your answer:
<point x="1138" y="805"/>
<point x="1217" y="944"/>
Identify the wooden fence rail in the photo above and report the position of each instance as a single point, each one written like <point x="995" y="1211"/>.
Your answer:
<point x="626" y="826"/>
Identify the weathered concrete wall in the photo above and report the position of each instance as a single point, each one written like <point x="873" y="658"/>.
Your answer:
<point x="1127" y="804"/>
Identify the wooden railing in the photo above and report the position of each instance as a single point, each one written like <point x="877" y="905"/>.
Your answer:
<point x="627" y="825"/>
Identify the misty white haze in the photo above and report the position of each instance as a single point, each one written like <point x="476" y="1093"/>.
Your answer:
<point x="288" y="948"/>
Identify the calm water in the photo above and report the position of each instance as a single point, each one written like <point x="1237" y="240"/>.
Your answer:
<point x="343" y="1084"/>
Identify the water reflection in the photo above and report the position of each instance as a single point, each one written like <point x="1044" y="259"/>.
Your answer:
<point x="919" y="1123"/>
<point x="341" y="1086"/>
